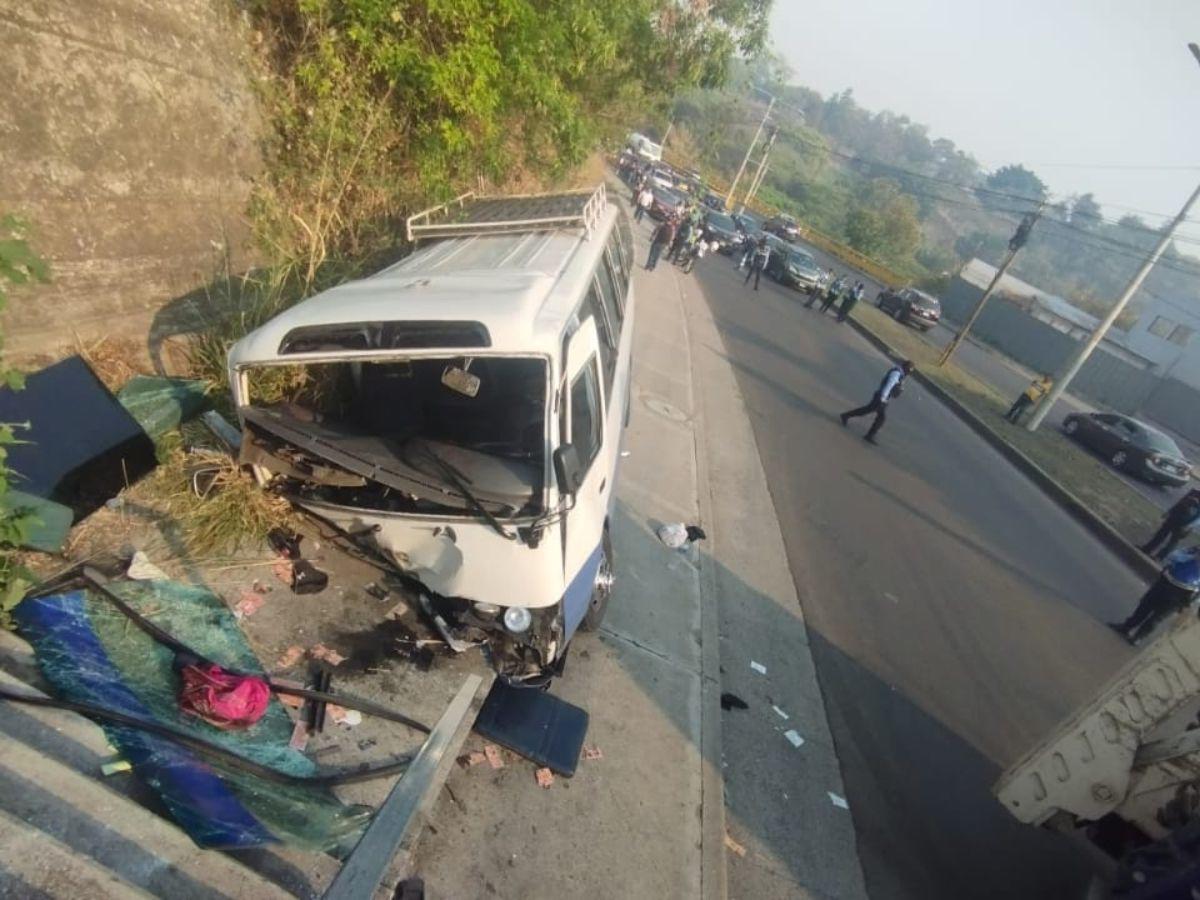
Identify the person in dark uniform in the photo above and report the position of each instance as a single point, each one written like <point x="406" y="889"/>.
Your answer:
<point x="890" y="387"/>
<point x="762" y="254"/>
<point x="1176" y="587"/>
<point x="1180" y="519"/>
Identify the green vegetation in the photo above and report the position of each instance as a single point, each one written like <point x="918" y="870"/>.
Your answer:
<point x="1085" y="476"/>
<point x="879" y="183"/>
<point x="18" y="265"/>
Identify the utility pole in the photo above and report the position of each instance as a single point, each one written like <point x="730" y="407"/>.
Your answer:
<point x="761" y="171"/>
<point x="1081" y="356"/>
<point x="1093" y="341"/>
<point x="667" y="133"/>
<point x="749" y="150"/>
<point x="1015" y="243"/>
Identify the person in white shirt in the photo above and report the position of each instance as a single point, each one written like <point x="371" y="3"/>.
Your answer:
<point x="645" y="198"/>
<point x="889" y="388"/>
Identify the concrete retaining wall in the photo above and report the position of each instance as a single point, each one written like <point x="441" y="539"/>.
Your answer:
<point x="129" y="140"/>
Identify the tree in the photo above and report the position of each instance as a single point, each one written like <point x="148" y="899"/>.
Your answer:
<point x="884" y="221"/>
<point x="1086" y="212"/>
<point x="1009" y="182"/>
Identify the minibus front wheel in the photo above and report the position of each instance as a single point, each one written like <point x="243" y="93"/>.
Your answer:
<point x="602" y="588"/>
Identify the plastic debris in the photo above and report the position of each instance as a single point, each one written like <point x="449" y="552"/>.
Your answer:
<point x="248" y="604"/>
<point x="474" y="758"/>
<point x="838" y="801"/>
<point x="222" y="430"/>
<point x="544" y="777"/>
<point x="307" y="578"/>
<point x="734" y="845"/>
<point x="592" y="753"/>
<point x="677" y="535"/>
<point x="780" y="712"/>
<point x="160" y="404"/>
<point x="141" y="569"/>
<point x="342" y="716"/>
<point x="325" y="654"/>
<point x="733" y="701"/>
<point x="758" y="667"/>
<point x="290" y="657"/>
<point x="492" y="752"/>
<point x="51" y="522"/>
<point x="793" y="737"/>
<point x="222" y="699"/>
<point x="299" y="734"/>
<point x="116" y="767"/>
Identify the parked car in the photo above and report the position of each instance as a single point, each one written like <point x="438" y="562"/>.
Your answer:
<point x="749" y="223"/>
<point x="910" y="306"/>
<point x="1131" y="446"/>
<point x="784" y="226"/>
<point x="722" y="228"/>
<point x="662" y="176"/>
<point x="713" y="201"/>
<point x="794" y="267"/>
<point x="666" y="202"/>
<point x="644" y="147"/>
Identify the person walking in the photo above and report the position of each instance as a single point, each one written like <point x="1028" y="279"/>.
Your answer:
<point x="698" y="250"/>
<point x="891" y="387"/>
<point x="645" y="197"/>
<point x="1176" y="587"/>
<point x="1038" y="388"/>
<point x="1177" y="523"/>
<point x="663" y="236"/>
<point x="748" y="247"/>
<point x="829" y="300"/>
<point x="762" y="254"/>
<point x="851" y="300"/>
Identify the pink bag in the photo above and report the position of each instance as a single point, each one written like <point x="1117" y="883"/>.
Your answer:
<point x="223" y="700"/>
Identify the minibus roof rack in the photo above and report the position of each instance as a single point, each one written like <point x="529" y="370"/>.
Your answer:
<point x="468" y="215"/>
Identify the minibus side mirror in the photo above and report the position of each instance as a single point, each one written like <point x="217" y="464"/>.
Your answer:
<point x="568" y="469"/>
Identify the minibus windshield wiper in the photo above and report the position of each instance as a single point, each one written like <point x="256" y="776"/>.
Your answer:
<point x="459" y="485"/>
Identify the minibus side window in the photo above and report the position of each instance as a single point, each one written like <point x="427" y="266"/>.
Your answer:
<point x="586" y="417"/>
<point x="608" y="344"/>
<point x="618" y="258"/>
<point x="625" y="242"/>
<point x="611" y="296"/>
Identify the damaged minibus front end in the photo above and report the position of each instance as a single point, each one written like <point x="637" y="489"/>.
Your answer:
<point x="438" y="463"/>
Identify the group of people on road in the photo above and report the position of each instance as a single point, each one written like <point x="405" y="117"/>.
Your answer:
<point x="838" y="290"/>
<point x="683" y="237"/>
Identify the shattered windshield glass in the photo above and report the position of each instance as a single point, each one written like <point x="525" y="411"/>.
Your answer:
<point x="449" y="434"/>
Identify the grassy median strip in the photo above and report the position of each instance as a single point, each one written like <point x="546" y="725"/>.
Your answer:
<point x="1082" y="474"/>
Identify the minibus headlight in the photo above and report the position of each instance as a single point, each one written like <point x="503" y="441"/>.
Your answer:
<point x="517" y="619"/>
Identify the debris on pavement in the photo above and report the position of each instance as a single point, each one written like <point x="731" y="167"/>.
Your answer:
<point x="546" y="730"/>
<point x="377" y="590"/>
<point x="342" y="716"/>
<point x="285" y="543"/>
<point x="248" y="604"/>
<point x="758" y="667"/>
<point x="733" y="701"/>
<point x="677" y="535"/>
<point x="116" y="767"/>
<point x="592" y="753"/>
<point x="734" y="845"/>
<point x="222" y="699"/>
<point x="307" y="578"/>
<point x="793" y="737"/>
<point x="474" y="758"/>
<point x="545" y="778"/>
<point x="492" y="753"/>
<point x="838" y="801"/>
<point x="779" y="712"/>
<point x="325" y="654"/>
<point x="290" y="657"/>
<point x="283" y="571"/>
<point x="141" y="569"/>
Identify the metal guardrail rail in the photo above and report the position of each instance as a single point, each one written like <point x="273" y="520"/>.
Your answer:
<point x="469" y="216"/>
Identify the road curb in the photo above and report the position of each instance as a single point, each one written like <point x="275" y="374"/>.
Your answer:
<point x="1132" y="556"/>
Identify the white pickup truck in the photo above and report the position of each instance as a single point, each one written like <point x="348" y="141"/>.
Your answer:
<point x="1123" y="771"/>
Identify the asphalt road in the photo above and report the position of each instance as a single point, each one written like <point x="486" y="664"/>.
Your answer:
<point x="955" y="614"/>
<point x="996" y="369"/>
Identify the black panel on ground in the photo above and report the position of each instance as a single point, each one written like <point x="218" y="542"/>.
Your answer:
<point x="534" y="724"/>
<point x="83" y="447"/>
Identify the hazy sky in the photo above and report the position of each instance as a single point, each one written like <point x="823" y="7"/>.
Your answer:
<point x="1054" y="84"/>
